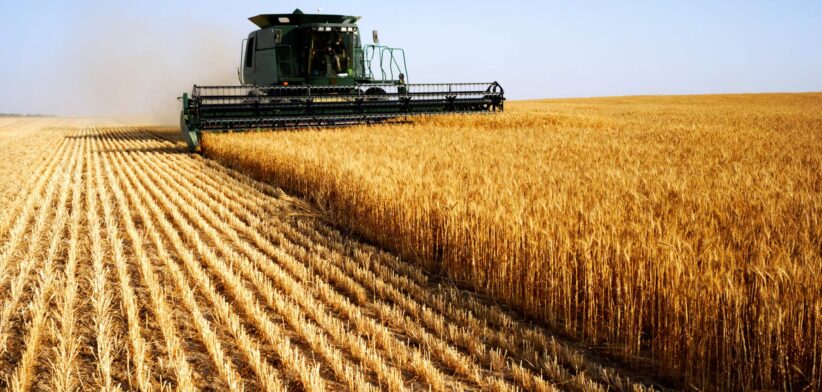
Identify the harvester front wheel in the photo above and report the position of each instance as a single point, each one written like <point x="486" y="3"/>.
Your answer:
<point x="375" y="94"/>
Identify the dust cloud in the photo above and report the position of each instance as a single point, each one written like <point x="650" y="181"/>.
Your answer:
<point x="133" y="70"/>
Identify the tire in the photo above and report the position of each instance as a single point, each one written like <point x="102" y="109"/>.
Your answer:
<point x="375" y="94"/>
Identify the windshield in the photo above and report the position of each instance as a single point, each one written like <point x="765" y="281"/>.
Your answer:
<point x="331" y="53"/>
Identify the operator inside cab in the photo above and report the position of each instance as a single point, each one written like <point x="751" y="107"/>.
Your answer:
<point x="339" y="55"/>
<point x="331" y="54"/>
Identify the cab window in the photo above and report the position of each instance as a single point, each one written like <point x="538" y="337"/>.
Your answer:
<point x="249" y="52"/>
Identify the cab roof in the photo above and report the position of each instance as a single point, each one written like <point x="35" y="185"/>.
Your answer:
<point x="264" y="21"/>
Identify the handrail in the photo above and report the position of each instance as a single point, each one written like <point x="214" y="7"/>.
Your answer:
<point x="368" y="59"/>
<point x="384" y="52"/>
<point x="394" y="63"/>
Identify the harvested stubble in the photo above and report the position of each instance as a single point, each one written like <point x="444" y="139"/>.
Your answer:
<point x="677" y="232"/>
<point x="24" y="142"/>
<point x="130" y="265"/>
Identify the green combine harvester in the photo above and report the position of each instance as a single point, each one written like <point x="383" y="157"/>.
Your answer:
<point x="311" y="70"/>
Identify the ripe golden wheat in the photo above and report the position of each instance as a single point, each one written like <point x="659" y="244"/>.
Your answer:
<point x="678" y="232"/>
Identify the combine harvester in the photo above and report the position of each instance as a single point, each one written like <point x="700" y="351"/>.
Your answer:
<point x="302" y="70"/>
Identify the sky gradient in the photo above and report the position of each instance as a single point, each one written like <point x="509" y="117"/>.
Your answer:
<point x="132" y="59"/>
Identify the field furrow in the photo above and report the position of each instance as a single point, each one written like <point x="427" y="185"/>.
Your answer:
<point x="353" y="345"/>
<point x="41" y="293"/>
<point x="35" y="185"/>
<point x="37" y="202"/>
<point x="415" y="362"/>
<point x="159" y="305"/>
<point x="29" y="146"/>
<point x="102" y="299"/>
<point x="226" y="369"/>
<point x="297" y="366"/>
<point x="267" y="376"/>
<point x="65" y="371"/>
<point x="140" y="358"/>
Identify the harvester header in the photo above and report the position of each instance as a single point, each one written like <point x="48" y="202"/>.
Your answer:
<point x="302" y="70"/>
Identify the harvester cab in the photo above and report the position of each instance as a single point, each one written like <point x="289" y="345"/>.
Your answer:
<point x="316" y="50"/>
<point x="302" y="70"/>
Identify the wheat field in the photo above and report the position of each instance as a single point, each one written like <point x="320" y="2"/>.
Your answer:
<point x="680" y="235"/>
<point x="128" y="264"/>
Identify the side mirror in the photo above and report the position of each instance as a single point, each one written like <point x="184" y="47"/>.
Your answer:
<point x="376" y="36"/>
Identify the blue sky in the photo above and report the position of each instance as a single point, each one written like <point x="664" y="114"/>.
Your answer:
<point x="90" y="57"/>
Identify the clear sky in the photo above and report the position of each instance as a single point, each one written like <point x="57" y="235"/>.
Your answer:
<point x="120" y="58"/>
